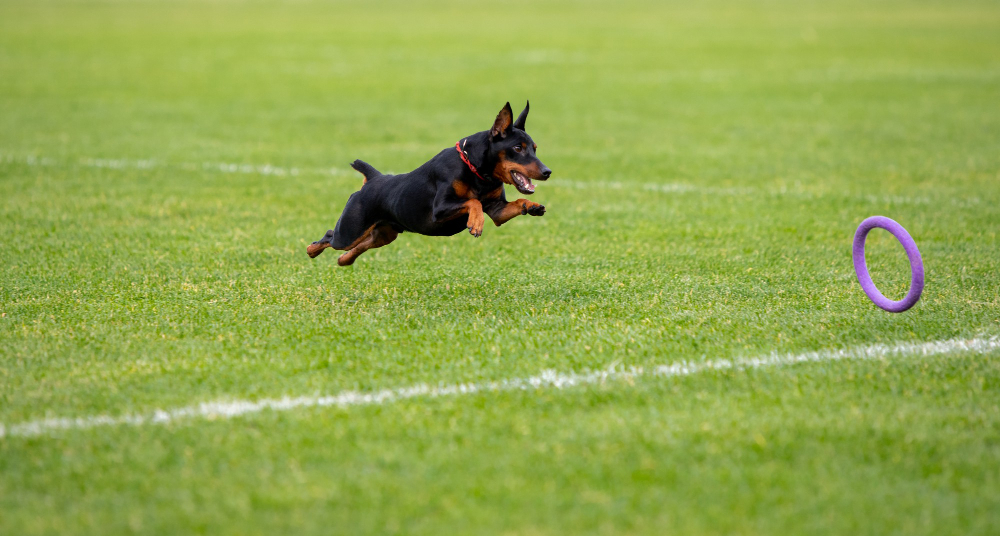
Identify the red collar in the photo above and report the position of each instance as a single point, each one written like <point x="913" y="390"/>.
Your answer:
<point x="465" y="158"/>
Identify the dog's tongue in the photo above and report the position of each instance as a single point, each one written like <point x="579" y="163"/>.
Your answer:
<point x="523" y="183"/>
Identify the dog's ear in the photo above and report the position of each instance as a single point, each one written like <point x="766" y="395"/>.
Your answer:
<point x="501" y="127"/>
<point x="519" y="122"/>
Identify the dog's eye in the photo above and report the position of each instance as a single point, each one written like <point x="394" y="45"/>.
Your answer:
<point x="517" y="148"/>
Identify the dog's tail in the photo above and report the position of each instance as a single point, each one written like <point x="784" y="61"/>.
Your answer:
<point x="366" y="169"/>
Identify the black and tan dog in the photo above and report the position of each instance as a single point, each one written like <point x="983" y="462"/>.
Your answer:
<point x="453" y="191"/>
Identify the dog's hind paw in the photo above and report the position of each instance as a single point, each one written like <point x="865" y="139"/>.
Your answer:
<point x="316" y="248"/>
<point x="347" y="259"/>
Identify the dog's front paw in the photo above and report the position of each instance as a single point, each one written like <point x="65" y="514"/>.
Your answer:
<point x="536" y="210"/>
<point x="475" y="225"/>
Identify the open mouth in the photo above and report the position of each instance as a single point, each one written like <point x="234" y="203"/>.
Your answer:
<point x="522" y="183"/>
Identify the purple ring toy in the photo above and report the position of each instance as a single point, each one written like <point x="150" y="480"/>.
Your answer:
<point x="861" y="267"/>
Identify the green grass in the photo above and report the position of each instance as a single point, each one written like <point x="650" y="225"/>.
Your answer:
<point x="711" y="163"/>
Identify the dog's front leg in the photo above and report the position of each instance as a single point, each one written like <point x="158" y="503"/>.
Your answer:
<point x="472" y="208"/>
<point x="516" y="208"/>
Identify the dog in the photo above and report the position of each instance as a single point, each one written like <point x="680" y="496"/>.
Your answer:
<point x="451" y="192"/>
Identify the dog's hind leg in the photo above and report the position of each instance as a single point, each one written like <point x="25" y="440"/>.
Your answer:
<point x="352" y="227"/>
<point x="375" y="237"/>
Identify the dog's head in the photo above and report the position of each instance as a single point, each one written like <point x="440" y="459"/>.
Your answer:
<point x="513" y="150"/>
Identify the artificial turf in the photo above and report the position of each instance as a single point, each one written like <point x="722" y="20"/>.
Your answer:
<point x="164" y="164"/>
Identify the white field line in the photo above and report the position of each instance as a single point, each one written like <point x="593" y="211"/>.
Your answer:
<point x="226" y="409"/>
<point x="221" y="167"/>
<point x="655" y="187"/>
<point x="659" y="187"/>
<point x="267" y="169"/>
<point x="682" y="187"/>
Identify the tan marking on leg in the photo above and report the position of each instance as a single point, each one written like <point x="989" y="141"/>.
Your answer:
<point x="364" y="236"/>
<point x="512" y="210"/>
<point x="347" y="259"/>
<point x="376" y="237"/>
<point x="316" y="248"/>
<point x="476" y="218"/>
<point x="461" y="189"/>
<point x="352" y="250"/>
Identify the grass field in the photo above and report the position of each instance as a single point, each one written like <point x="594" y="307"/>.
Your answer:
<point x="163" y="166"/>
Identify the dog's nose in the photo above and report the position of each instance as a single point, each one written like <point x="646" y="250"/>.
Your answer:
<point x="546" y="172"/>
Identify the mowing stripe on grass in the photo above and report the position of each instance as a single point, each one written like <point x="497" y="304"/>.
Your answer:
<point x="548" y="379"/>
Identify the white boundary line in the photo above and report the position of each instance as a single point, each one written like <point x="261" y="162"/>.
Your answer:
<point x="270" y="170"/>
<point x="150" y="163"/>
<point x="226" y="409"/>
<point x="659" y="187"/>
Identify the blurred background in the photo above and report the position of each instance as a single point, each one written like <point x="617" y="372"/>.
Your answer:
<point x="773" y="89"/>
